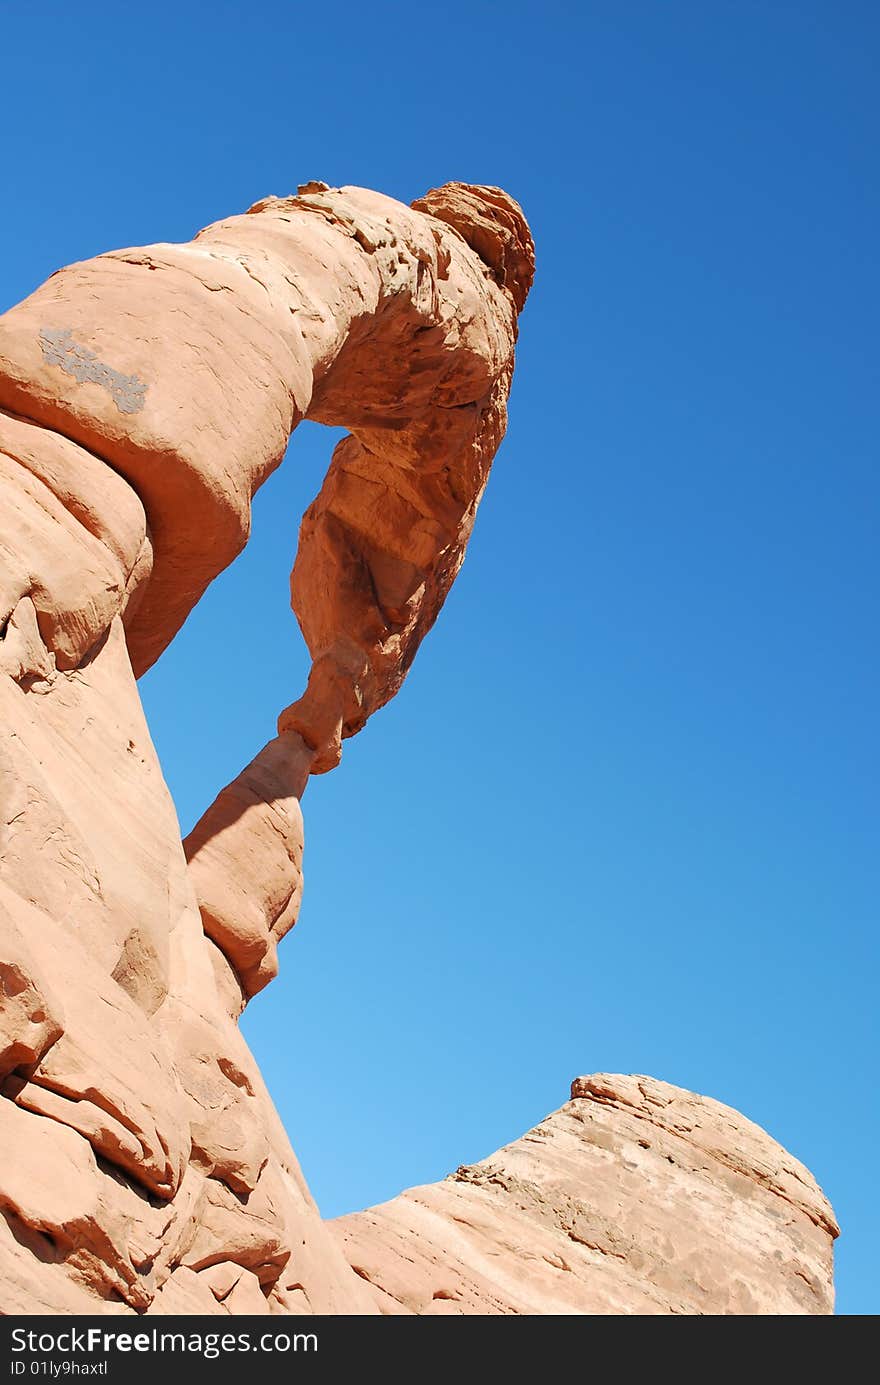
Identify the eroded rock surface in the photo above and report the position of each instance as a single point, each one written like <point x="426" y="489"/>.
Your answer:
<point x="634" y="1198"/>
<point x="144" y="396"/>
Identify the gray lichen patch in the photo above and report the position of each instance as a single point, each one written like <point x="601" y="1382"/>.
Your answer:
<point x="128" y="392"/>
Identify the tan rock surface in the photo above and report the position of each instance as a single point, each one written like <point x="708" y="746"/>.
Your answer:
<point x="144" y="396"/>
<point x="635" y="1198"/>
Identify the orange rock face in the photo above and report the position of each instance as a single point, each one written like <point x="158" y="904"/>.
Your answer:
<point x="144" y="397"/>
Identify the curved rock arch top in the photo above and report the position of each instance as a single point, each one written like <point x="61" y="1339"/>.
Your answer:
<point x="185" y="369"/>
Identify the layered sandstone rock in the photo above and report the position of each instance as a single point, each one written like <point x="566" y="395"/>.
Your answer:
<point x="139" y="1147"/>
<point x="144" y="396"/>
<point x="634" y="1198"/>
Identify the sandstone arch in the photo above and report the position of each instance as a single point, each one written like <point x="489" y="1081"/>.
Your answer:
<point x="144" y="397"/>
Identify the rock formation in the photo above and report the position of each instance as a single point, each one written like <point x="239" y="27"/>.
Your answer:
<point x="144" y="397"/>
<point x="635" y="1197"/>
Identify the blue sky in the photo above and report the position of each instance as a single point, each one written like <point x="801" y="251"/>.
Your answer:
<point x="623" y="815"/>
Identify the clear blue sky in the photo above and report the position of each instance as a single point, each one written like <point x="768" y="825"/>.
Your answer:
<point x="624" y="814"/>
